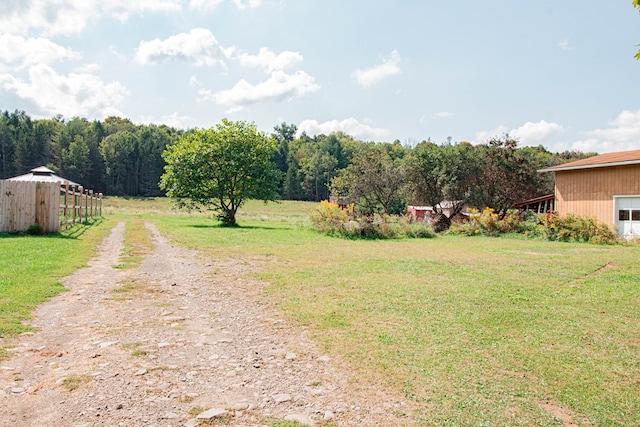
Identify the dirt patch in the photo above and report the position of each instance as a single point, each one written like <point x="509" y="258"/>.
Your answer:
<point x="176" y="342"/>
<point x="560" y="413"/>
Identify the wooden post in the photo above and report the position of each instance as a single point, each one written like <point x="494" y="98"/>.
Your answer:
<point x="92" y="208"/>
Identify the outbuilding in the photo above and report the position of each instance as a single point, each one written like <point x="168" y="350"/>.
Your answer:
<point x="606" y="187"/>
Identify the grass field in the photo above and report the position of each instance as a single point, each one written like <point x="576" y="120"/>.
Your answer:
<point x="31" y="268"/>
<point x="476" y="331"/>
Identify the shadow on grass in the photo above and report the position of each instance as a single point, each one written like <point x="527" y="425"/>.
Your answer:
<point x="239" y="227"/>
<point x="73" y="232"/>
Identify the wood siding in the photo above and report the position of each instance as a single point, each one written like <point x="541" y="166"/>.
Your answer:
<point x="24" y="203"/>
<point x="589" y="192"/>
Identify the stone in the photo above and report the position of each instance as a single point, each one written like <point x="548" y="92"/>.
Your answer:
<point x="211" y="413"/>
<point x="281" y="398"/>
<point x="140" y="372"/>
<point x="324" y="359"/>
<point x="303" y="419"/>
<point x="240" y="406"/>
<point x="17" y="390"/>
<point x="107" y="344"/>
<point x="328" y="415"/>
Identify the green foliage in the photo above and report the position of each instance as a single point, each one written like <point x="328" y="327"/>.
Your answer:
<point x="330" y="219"/>
<point x="575" y="228"/>
<point x="35" y="229"/>
<point x="373" y="181"/>
<point x="442" y="173"/>
<point x="566" y="228"/>
<point x="220" y="168"/>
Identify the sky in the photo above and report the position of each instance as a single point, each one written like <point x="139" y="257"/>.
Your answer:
<point x="557" y="73"/>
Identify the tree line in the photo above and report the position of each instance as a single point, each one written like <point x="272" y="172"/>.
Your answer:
<point x="118" y="157"/>
<point x="112" y="156"/>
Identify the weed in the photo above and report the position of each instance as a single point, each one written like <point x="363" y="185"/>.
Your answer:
<point x="73" y="382"/>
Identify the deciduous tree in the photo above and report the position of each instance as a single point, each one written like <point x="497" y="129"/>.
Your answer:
<point x="373" y="181"/>
<point x="221" y="168"/>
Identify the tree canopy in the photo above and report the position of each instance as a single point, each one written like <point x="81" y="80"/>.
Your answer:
<point x="221" y="168"/>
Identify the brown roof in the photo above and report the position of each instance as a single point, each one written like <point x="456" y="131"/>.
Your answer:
<point x="619" y="158"/>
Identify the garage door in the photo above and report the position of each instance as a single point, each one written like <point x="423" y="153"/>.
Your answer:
<point x="628" y="216"/>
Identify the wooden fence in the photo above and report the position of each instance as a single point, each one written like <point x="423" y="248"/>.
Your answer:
<point x="78" y="205"/>
<point x="48" y="204"/>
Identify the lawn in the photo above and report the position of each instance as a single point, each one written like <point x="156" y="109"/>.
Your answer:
<point x="476" y="331"/>
<point x="31" y="268"/>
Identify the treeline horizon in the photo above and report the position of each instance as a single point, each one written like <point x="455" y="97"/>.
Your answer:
<point x="119" y="158"/>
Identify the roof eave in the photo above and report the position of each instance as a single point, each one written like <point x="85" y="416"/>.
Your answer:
<point x="600" y="165"/>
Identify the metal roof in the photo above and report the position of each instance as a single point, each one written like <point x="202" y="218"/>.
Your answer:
<point x="620" y="158"/>
<point x="42" y="174"/>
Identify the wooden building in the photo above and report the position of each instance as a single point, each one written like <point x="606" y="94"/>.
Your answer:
<point x="606" y="187"/>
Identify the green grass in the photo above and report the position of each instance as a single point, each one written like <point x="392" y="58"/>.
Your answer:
<point x="137" y="244"/>
<point x="31" y="268"/>
<point x="476" y="331"/>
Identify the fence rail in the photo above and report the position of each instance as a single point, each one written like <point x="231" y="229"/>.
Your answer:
<point x="48" y="204"/>
<point x="77" y="204"/>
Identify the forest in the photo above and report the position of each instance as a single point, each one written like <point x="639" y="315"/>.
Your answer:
<point x="117" y="157"/>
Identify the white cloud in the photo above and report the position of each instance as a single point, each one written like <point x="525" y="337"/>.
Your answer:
<point x="528" y="134"/>
<point x="198" y="46"/>
<point x="52" y="17"/>
<point x="622" y="134"/>
<point x="350" y="126"/>
<point x="174" y="120"/>
<point x="534" y="133"/>
<point x="269" y="61"/>
<point x="208" y="5"/>
<point x="251" y="4"/>
<point x="77" y="94"/>
<point x="204" y="4"/>
<point x="564" y="45"/>
<point x="18" y="52"/>
<point x="279" y="87"/>
<point x="373" y="75"/>
<point x="484" y="136"/>
<point x="442" y="115"/>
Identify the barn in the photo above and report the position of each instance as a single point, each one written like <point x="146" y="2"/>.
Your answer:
<point x="606" y="187"/>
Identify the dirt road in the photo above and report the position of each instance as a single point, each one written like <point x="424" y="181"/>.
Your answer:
<point x="177" y="341"/>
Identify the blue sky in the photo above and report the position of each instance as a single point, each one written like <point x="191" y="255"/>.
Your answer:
<point x="560" y="73"/>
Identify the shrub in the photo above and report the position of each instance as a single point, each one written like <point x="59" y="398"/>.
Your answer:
<point x="328" y="218"/>
<point x="575" y="228"/>
<point x="550" y="226"/>
<point x="35" y="229"/>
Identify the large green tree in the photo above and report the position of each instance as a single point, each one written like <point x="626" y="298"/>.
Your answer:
<point x="373" y="181"/>
<point x="221" y="168"/>
<point x="443" y="177"/>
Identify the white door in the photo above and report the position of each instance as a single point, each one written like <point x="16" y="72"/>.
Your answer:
<point x="628" y="216"/>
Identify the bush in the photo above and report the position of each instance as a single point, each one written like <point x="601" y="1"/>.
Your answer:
<point x="330" y="219"/>
<point x="35" y="229"/>
<point x="550" y="226"/>
<point x="575" y="228"/>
